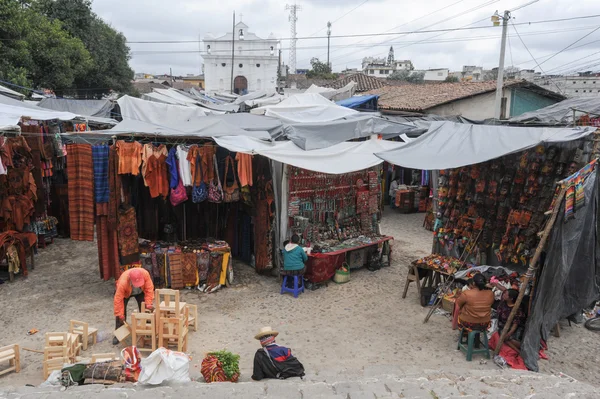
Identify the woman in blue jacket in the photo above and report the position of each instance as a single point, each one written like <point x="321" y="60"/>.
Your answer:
<point x="294" y="258"/>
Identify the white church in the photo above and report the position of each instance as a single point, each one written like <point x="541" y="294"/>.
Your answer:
<point x="255" y="62"/>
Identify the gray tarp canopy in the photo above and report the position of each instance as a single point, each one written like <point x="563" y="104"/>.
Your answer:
<point x="208" y="126"/>
<point x="560" y="113"/>
<point x="316" y="135"/>
<point x="252" y="122"/>
<point x="101" y="108"/>
<point x="451" y="145"/>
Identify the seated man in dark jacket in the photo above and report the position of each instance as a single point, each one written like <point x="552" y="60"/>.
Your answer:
<point x="272" y="360"/>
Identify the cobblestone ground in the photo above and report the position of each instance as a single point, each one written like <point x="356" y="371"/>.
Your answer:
<point x="347" y="333"/>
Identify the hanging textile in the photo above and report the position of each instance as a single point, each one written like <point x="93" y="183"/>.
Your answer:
<point x="114" y="187"/>
<point x="185" y="171"/>
<point x="262" y="236"/>
<point x="173" y="168"/>
<point x="203" y="261"/>
<point x="80" y="173"/>
<point x="128" y="236"/>
<point x="155" y="176"/>
<point x="206" y="153"/>
<point x="244" y="169"/>
<point x="100" y="157"/>
<point x="130" y="157"/>
<point x="189" y="270"/>
<point x="108" y="247"/>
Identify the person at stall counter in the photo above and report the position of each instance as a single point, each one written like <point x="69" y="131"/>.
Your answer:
<point x="394" y="185"/>
<point x="136" y="283"/>
<point x="475" y="305"/>
<point x="272" y="360"/>
<point x="294" y="258"/>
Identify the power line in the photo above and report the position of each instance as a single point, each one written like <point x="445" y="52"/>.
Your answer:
<point x="538" y="64"/>
<point x="401" y="25"/>
<point x="572" y="48"/>
<point x="464" y="28"/>
<point x="369" y="45"/>
<point x="575" y="42"/>
<point x="560" y="67"/>
<point x="358" y="6"/>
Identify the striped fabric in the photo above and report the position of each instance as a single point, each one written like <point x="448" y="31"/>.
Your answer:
<point x="100" y="157"/>
<point x="80" y="172"/>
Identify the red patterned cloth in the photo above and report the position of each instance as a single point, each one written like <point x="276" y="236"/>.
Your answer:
<point x="108" y="248"/>
<point x="212" y="371"/>
<point x="128" y="236"/>
<point x="80" y="172"/>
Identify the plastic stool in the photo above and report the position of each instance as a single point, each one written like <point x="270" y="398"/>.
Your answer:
<point x="298" y="285"/>
<point x="468" y="346"/>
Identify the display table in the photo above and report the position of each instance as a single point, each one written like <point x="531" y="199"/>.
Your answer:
<point x="321" y="267"/>
<point x="432" y="277"/>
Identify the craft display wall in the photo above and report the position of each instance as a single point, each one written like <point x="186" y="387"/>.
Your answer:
<point x="334" y="207"/>
<point x="494" y="210"/>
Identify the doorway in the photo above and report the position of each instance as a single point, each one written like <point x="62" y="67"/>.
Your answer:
<point x="240" y="85"/>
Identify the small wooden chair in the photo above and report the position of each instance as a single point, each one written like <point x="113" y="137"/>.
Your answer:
<point x="84" y="331"/>
<point x="173" y="331"/>
<point x="104" y="357"/>
<point x="168" y="304"/>
<point x="192" y="316"/>
<point x="143" y="331"/>
<point x="11" y="355"/>
<point x="56" y="339"/>
<point x="54" y="359"/>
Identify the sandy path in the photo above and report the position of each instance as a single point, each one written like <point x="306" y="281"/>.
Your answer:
<point x="340" y="327"/>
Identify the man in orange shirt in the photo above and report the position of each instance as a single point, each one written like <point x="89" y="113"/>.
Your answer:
<point x="137" y="283"/>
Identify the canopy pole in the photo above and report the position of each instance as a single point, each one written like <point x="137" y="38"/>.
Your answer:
<point x="533" y="265"/>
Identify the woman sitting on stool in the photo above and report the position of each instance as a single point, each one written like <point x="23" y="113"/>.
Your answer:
<point x="475" y="305"/>
<point x="294" y="258"/>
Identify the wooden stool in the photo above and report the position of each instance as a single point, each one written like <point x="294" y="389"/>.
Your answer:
<point x="470" y="343"/>
<point x="11" y="355"/>
<point x="413" y="275"/>
<point x="84" y="331"/>
<point x="143" y="328"/>
<point x="192" y="316"/>
<point x="173" y="331"/>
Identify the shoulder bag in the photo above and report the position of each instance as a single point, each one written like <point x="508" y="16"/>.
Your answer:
<point x="231" y="193"/>
<point x="179" y="193"/>
<point x="199" y="192"/>
<point x="215" y="191"/>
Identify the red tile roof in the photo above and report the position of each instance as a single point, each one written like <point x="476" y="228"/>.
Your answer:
<point x="364" y="82"/>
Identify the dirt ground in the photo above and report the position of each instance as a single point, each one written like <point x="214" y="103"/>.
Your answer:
<point x="360" y="324"/>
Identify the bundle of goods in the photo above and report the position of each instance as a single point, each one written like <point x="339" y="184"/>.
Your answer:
<point x="342" y="275"/>
<point x="221" y="366"/>
<point x="439" y="263"/>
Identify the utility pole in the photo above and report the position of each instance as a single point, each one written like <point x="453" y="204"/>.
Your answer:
<point x="279" y="70"/>
<point x="500" y="80"/>
<point x="232" y="50"/>
<point x="293" y="18"/>
<point x="328" y="39"/>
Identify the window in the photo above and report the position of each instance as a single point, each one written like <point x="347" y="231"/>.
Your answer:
<point x="241" y="65"/>
<point x="258" y="65"/>
<point x="576" y="91"/>
<point x="574" y="82"/>
<point x="584" y="91"/>
<point x="372" y="72"/>
<point x="440" y="73"/>
<point x="387" y="72"/>
<point x="594" y="82"/>
<point x="381" y="71"/>
<point x="584" y="82"/>
<point x="223" y="64"/>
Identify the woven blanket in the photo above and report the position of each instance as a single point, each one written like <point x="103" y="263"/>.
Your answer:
<point x="80" y="173"/>
<point x="189" y="269"/>
<point x="128" y="236"/>
<point x="100" y="159"/>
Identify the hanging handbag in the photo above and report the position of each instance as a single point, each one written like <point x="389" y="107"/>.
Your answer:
<point x="215" y="191"/>
<point x="231" y="193"/>
<point x="199" y="192"/>
<point x="179" y="193"/>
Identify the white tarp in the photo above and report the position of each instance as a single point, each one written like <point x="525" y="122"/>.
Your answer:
<point x="337" y="159"/>
<point x="174" y="94"/>
<point x="334" y="94"/>
<point x="452" y="145"/>
<point x="306" y="108"/>
<point x="159" y="98"/>
<point x="11" y="112"/>
<point x="11" y="93"/>
<point x="157" y="113"/>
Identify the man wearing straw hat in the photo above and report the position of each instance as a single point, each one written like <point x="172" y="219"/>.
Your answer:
<point x="272" y="360"/>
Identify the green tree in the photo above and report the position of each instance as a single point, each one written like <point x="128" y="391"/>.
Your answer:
<point x="35" y="51"/>
<point x="320" y="70"/>
<point x="108" y="48"/>
<point x="408" y="76"/>
<point x="451" y="79"/>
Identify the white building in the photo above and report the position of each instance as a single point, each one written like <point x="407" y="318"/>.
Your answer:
<point x="436" y="75"/>
<point x="381" y="68"/>
<point x="255" y="62"/>
<point x="580" y="85"/>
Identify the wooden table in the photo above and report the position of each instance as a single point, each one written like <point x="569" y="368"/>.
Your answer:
<point x="432" y="278"/>
<point x="321" y="267"/>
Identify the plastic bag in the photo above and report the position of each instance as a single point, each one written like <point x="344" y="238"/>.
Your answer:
<point x="165" y="365"/>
